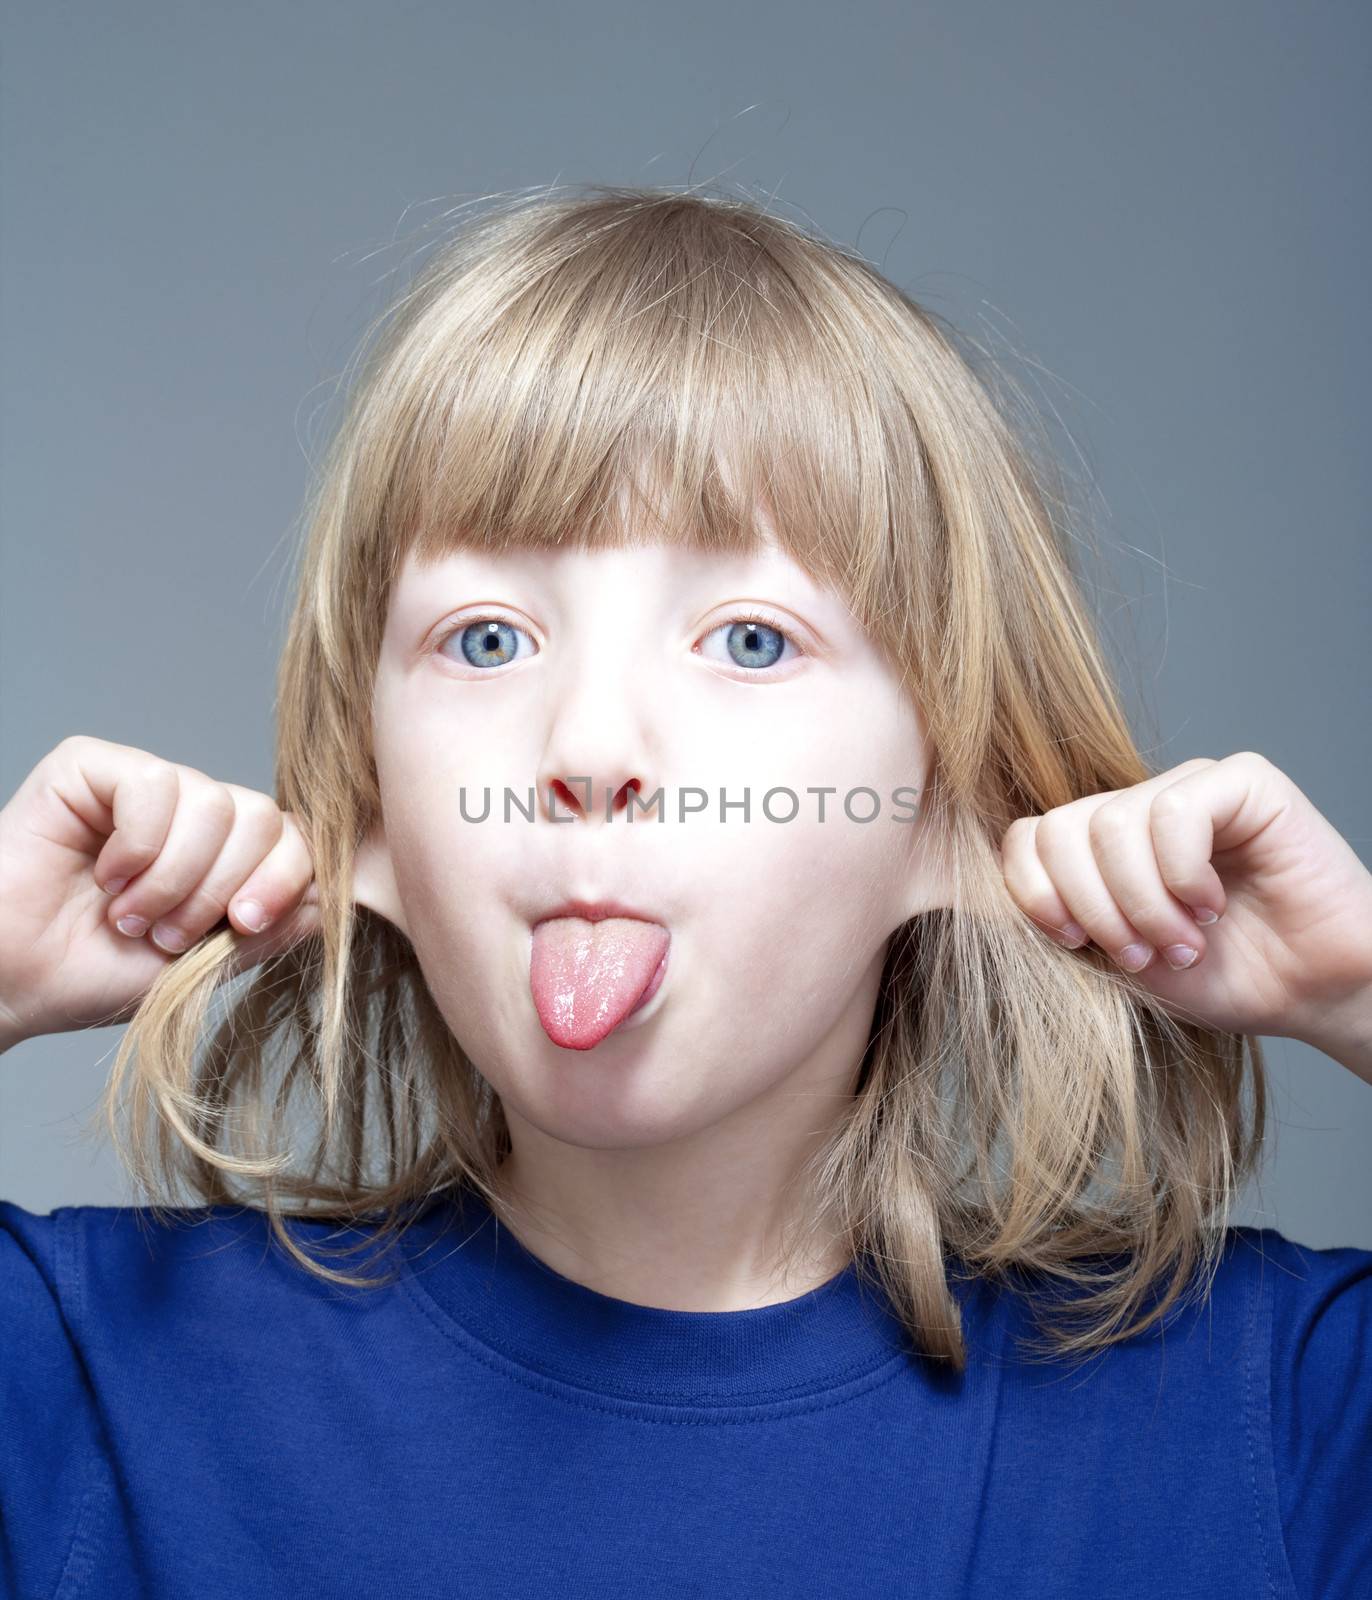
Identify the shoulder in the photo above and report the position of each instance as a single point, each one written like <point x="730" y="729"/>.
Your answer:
<point x="140" y="1264"/>
<point x="1314" y="1305"/>
<point x="74" y="1245"/>
<point x="1328" y="1272"/>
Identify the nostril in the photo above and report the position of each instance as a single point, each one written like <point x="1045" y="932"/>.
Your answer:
<point x="622" y="798"/>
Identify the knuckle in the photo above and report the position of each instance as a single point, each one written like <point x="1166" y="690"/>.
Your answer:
<point x="133" y="849"/>
<point x="204" y="908"/>
<point x="1100" y="914"/>
<point x="139" y="852"/>
<point x="261" y="814"/>
<point x="195" y="914"/>
<point x="1052" y="827"/>
<point x="158" y="780"/>
<point x="1142" y="914"/>
<point x="1110" y="821"/>
<point x="1169" y="803"/>
<point x="217" y="803"/>
<point x="256" y="803"/>
<point x="295" y="851"/>
<point x="291" y="829"/>
<point x="150" y="893"/>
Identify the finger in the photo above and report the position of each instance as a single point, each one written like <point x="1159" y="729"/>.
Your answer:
<point x="256" y="829"/>
<point x="1211" y="811"/>
<point x="1030" y="886"/>
<point x="1026" y="877"/>
<point x="201" y="822"/>
<point x="1110" y="883"/>
<point x="1065" y="846"/>
<point x="300" y="922"/>
<point x="278" y="883"/>
<point x="1033" y="887"/>
<point x="1122" y="843"/>
<point x="130" y="797"/>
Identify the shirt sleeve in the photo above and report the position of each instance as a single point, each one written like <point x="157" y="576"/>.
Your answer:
<point x="48" y="1419"/>
<point x="1321" y="1397"/>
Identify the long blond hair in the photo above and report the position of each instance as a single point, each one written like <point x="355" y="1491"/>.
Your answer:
<point x="1019" y="1107"/>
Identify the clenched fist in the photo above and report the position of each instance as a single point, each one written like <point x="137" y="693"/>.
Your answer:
<point x="114" y="861"/>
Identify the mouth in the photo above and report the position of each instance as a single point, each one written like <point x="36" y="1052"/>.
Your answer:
<point x="598" y="911"/>
<point x="594" y="965"/>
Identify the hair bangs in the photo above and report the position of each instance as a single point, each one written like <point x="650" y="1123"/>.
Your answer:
<point x="653" y="372"/>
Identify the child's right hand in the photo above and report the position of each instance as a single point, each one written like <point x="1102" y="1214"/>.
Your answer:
<point x="91" y="813"/>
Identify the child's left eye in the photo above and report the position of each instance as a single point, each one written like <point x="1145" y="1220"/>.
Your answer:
<point x="752" y="642"/>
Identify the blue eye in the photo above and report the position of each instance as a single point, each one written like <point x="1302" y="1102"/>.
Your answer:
<point x="750" y="643"/>
<point x="753" y="644"/>
<point x="490" y="643"/>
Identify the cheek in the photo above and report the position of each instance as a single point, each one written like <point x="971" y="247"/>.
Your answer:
<point x="787" y="922"/>
<point x="430" y="751"/>
<point x="798" y="906"/>
<point x="470" y="946"/>
<point x="448" y="869"/>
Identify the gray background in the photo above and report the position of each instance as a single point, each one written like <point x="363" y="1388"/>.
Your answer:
<point x="1157" y="210"/>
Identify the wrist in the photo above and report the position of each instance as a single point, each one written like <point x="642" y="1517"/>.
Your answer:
<point x="12" y="1032"/>
<point x="1344" y="1033"/>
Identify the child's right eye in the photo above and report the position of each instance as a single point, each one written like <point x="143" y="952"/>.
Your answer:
<point x="488" y="642"/>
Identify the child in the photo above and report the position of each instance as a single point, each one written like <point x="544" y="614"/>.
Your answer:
<point x="817" y="1188"/>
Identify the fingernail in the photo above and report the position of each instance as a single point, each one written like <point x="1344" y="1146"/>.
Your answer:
<point x="135" y="927"/>
<point x="1073" y="933"/>
<point x="115" y="886"/>
<point x="1204" y="915"/>
<point x="1134" y="957"/>
<point x="172" y="940"/>
<point x="251" y="915"/>
<point x="1179" y="956"/>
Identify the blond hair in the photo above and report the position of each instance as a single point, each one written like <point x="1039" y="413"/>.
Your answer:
<point x="573" y="368"/>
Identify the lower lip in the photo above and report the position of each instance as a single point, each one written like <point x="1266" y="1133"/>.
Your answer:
<point x="654" y="985"/>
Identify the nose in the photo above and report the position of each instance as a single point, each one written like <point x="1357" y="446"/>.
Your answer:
<point x="597" y="753"/>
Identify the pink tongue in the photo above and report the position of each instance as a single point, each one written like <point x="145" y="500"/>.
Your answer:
<point x="586" y="977"/>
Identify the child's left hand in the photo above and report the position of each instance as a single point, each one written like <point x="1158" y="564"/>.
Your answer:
<point x="1291" y="953"/>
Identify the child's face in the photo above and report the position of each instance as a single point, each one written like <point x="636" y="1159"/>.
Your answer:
<point x="627" y="666"/>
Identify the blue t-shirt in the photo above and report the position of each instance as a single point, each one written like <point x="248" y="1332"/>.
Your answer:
<point x="186" y="1412"/>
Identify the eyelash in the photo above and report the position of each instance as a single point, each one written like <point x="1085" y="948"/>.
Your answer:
<point x="756" y="614"/>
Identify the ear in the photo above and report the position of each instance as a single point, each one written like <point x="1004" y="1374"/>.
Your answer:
<point x="374" y="883"/>
<point x="927" y="884"/>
